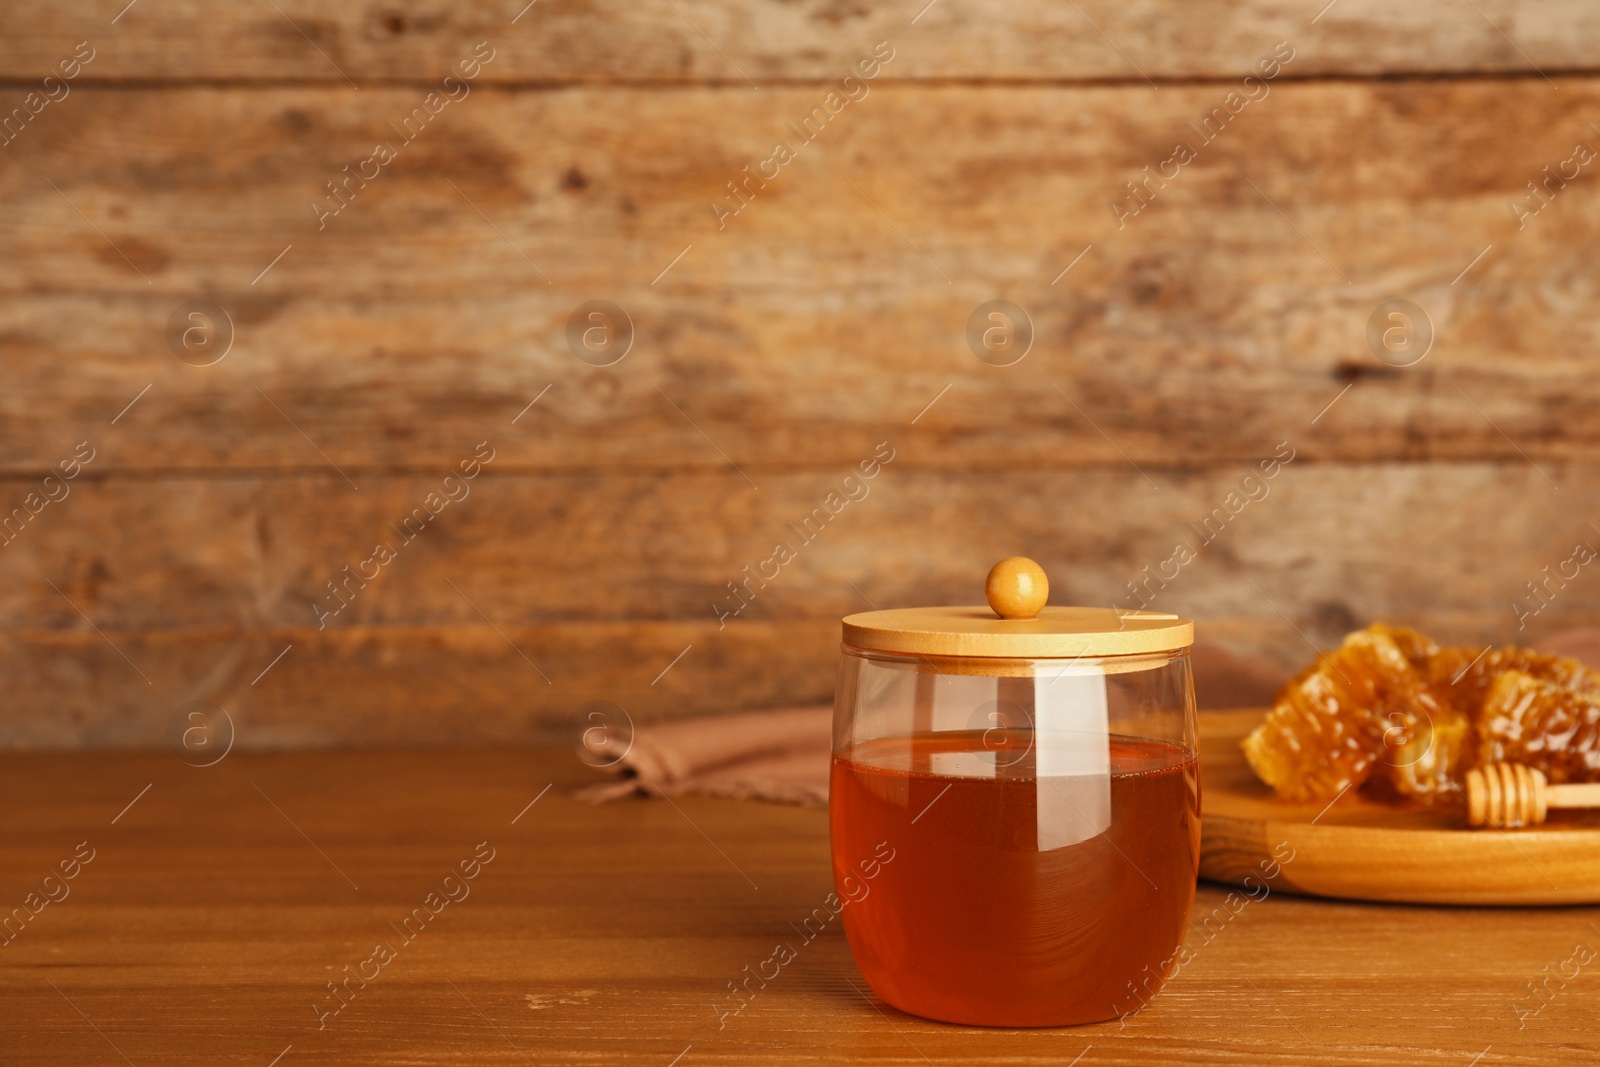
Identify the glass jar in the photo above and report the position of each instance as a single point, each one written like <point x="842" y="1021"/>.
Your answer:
<point x="1014" y="806"/>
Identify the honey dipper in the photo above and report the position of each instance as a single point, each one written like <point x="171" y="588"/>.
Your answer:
<point x="1510" y="794"/>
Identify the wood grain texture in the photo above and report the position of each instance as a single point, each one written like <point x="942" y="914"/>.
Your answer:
<point x="444" y="684"/>
<point x="223" y="574"/>
<point x="777" y="351"/>
<point x="465" y="683"/>
<point x="526" y="549"/>
<point x="1359" y="849"/>
<point x="1207" y="328"/>
<point x="771" y="40"/>
<point x="206" y="925"/>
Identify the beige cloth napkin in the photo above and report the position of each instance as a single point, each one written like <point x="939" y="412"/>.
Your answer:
<point x="783" y="755"/>
<point x="779" y="755"/>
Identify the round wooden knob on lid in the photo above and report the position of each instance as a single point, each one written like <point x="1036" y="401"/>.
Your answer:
<point x="1017" y="588"/>
<point x="1017" y="623"/>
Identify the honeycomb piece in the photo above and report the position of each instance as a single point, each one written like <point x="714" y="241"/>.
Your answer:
<point x="1418" y="650"/>
<point x="1424" y="736"/>
<point x="1424" y="757"/>
<point x="1394" y="713"/>
<point x="1548" y="726"/>
<point x="1463" y="676"/>
<point x="1326" y="730"/>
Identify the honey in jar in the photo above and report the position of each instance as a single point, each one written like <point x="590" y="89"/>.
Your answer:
<point x="1033" y="781"/>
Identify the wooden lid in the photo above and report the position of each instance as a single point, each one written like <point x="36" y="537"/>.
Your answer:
<point x="1017" y="587"/>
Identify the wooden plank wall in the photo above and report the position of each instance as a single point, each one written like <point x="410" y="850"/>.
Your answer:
<point x="376" y="349"/>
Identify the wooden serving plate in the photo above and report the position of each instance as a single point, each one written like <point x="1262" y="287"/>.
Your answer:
<point x="1362" y="850"/>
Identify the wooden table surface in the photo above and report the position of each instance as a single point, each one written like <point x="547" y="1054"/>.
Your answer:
<point x="220" y="901"/>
